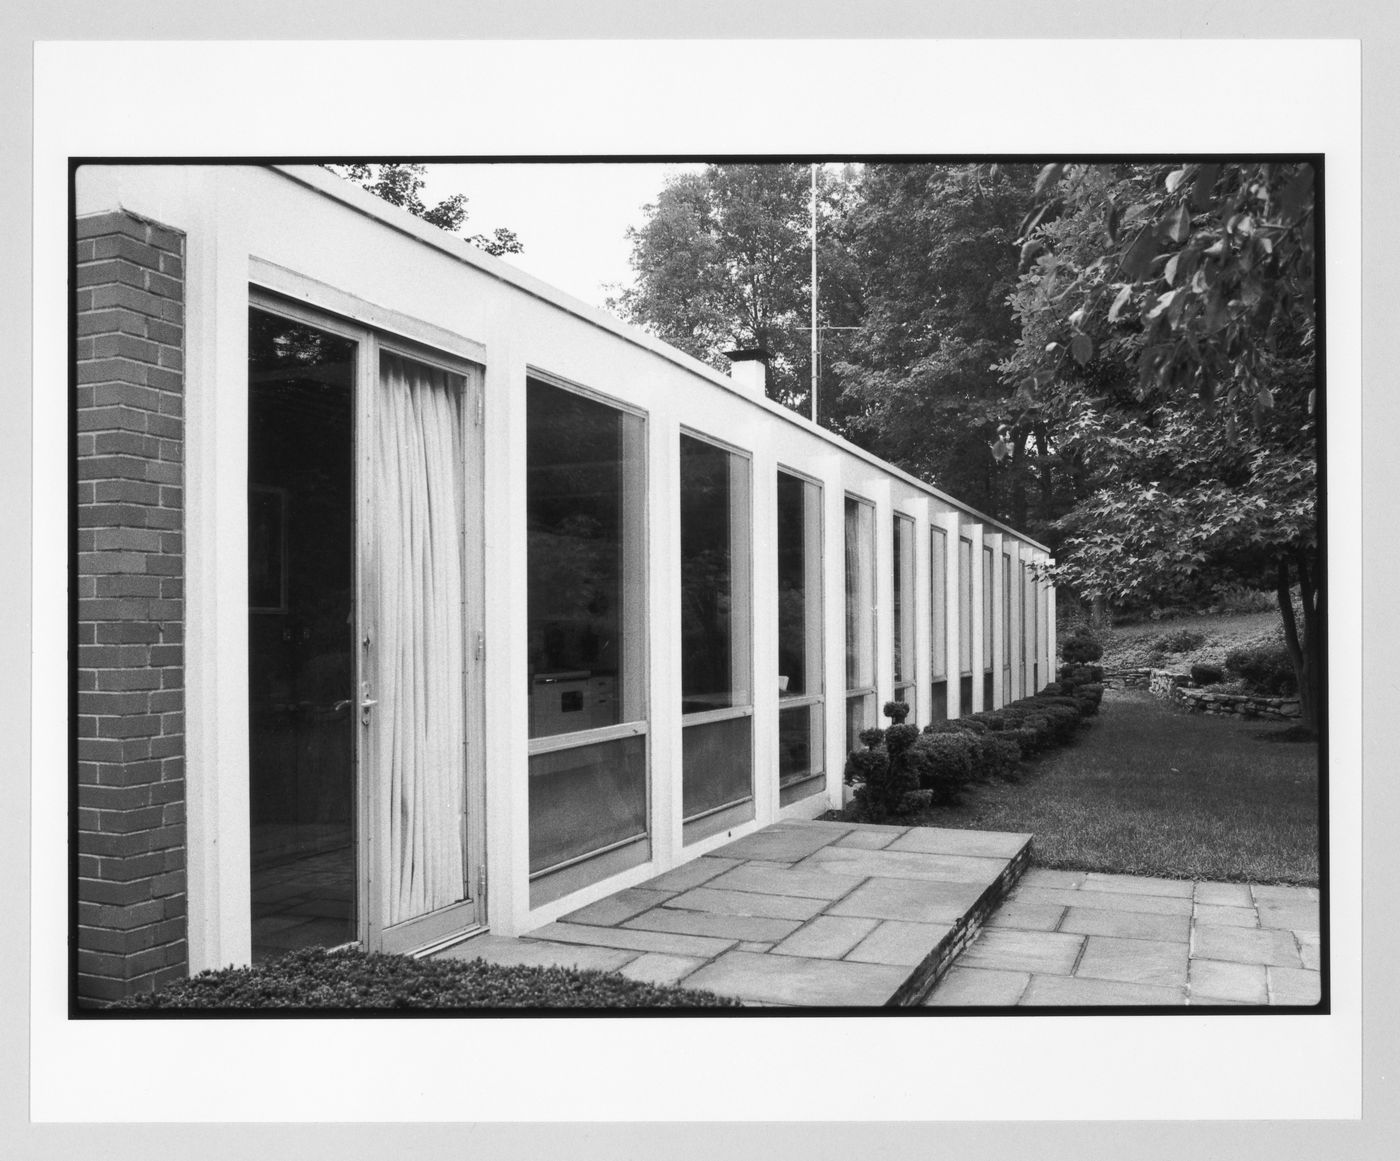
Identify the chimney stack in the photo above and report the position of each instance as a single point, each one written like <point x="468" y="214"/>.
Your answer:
<point x="749" y="369"/>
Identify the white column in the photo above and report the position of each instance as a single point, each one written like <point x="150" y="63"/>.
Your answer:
<point x="1052" y="647"/>
<point x="1013" y="579"/>
<point x="664" y="632"/>
<point x="879" y="492"/>
<point x="834" y="623"/>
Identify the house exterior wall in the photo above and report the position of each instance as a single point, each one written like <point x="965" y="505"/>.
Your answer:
<point x="329" y="246"/>
<point x="131" y="746"/>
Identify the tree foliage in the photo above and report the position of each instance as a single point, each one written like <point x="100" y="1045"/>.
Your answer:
<point x="723" y="262"/>
<point x="1168" y="334"/>
<point x="401" y="184"/>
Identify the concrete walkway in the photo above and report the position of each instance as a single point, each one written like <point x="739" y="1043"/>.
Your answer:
<point x="799" y="913"/>
<point x="1076" y="938"/>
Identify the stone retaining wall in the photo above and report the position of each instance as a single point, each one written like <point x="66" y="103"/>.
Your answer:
<point x="1177" y="687"/>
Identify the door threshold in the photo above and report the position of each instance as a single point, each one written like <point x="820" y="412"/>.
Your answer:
<point x="450" y="941"/>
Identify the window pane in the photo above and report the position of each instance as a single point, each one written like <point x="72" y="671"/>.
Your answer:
<point x="903" y="599"/>
<point x="860" y="594"/>
<point x="585" y="491"/>
<point x="799" y="743"/>
<point x="965" y="606"/>
<point x="938" y="598"/>
<point x="586" y="798"/>
<point x="860" y="715"/>
<point x="301" y="635"/>
<point x="986" y="608"/>
<point x="1006" y="609"/>
<point x="717" y="759"/>
<point x="799" y="587"/>
<point x="715" y="621"/>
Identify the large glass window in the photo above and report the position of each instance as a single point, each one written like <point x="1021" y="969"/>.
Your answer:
<point x="585" y="497"/>
<point x="904" y="612"/>
<point x="1006" y="610"/>
<point x="938" y="606"/>
<point x="860" y="618"/>
<point x="716" y="627"/>
<point x="988" y="579"/>
<point x="800" y="711"/>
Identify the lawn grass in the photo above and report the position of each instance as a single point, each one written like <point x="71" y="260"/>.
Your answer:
<point x="1151" y="790"/>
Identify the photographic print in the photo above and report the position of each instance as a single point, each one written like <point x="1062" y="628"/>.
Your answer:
<point x="878" y="584"/>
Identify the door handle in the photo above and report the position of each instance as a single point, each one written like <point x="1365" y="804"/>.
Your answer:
<point x="367" y="703"/>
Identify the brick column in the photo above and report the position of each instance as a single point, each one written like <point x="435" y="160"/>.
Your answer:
<point x="131" y="566"/>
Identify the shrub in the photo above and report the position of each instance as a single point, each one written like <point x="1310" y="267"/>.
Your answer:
<point x="1264" y="669"/>
<point x="1082" y="647"/>
<point x="1179" y="641"/>
<point x="1206" y="674"/>
<point x="316" y="978"/>
<point x="943" y="763"/>
<point x="872" y="737"/>
<point x="896" y="711"/>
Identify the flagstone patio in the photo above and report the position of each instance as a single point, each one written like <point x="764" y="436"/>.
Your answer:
<point x="800" y="913"/>
<point x="1075" y="938"/>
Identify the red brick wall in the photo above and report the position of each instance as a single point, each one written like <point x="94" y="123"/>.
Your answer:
<point x="131" y="609"/>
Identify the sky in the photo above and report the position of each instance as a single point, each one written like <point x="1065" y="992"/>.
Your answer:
<point x="571" y="218"/>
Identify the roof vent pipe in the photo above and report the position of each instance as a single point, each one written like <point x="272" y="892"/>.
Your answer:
<point x="749" y="369"/>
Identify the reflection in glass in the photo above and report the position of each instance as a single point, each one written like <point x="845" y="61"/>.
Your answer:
<point x="965" y="607"/>
<point x="860" y="594"/>
<point x="584" y="502"/>
<point x="716" y="624"/>
<point x="301" y="659"/>
<point x="585" y="799"/>
<point x="904" y="611"/>
<point x="799" y="633"/>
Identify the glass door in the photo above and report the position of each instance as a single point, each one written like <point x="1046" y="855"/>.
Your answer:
<point x="420" y="708"/>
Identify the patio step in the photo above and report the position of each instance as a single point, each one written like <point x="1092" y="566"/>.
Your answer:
<point x="810" y="914"/>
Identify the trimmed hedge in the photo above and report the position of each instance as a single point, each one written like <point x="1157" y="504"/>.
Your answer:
<point x="317" y="978"/>
<point x="902" y="771"/>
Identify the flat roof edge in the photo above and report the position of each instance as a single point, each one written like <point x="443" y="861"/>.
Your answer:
<point x="329" y="185"/>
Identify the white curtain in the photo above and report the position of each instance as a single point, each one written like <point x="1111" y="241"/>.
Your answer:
<point x="419" y="651"/>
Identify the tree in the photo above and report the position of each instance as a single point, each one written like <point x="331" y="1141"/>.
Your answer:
<point x="935" y="249"/>
<point x="723" y="262"/>
<point x="401" y="185"/>
<point x="1168" y="331"/>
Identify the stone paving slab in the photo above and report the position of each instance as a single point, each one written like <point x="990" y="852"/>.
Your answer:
<point x="1020" y="951"/>
<point x="888" y="864"/>
<point x="1197" y="943"/>
<point x="1246" y="945"/>
<point x="1104" y="900"/>
<point x="1126" y="924"/>
<point x="1134" y="961"/>
<point x="782" y="843"/>
<point x="795" y="980"/>
<point x="1294" y="986"/>
<point x="691" y="874"/>
<point x="916" y="900"/>
<point x="1081" y="991"/>
<point x="969" y="987"/>
<point x="827" y="937"/>
<point x="1211" y="915"/>
<point x="895" y="941"/>
<point x="706" y="923"/>
<point x="656" y="967"/>
<point x="723" y="902"/>
<point x="780" y="879"/>
<point x="865" y="840"/>
<point x="631" y="940"/>
<point x="944" y="841"/>
<point x="616" y="908"/>
<point x="1240" y="983"/>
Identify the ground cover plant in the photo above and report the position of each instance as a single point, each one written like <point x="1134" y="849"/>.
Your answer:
<point x="320" y="979"/>
<point x="1152" y="790"/>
